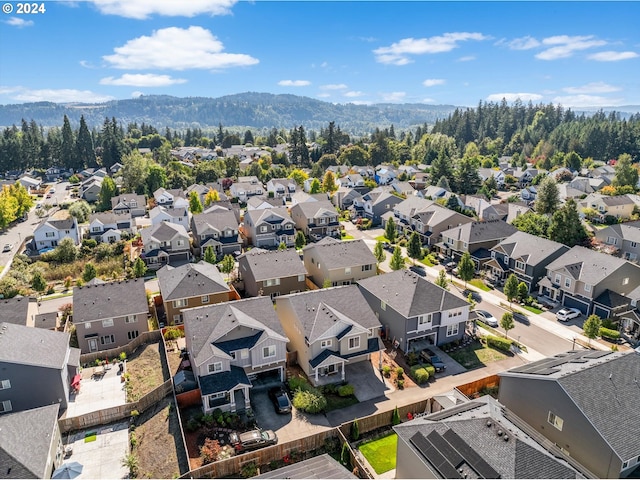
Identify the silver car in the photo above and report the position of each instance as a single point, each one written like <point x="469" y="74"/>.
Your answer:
<point x="488" y="318"/>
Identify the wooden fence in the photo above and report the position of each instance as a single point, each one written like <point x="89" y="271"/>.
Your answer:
<point x="472" y="388"/>
<point x="310" y="284"/>
<point x="145" y="337"/>
<point x="189" y="399"/>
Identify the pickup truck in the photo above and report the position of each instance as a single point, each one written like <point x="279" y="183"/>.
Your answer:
<point x="430" y="357"/>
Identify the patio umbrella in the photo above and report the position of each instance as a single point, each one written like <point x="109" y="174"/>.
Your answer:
<point x="68" y="470"/>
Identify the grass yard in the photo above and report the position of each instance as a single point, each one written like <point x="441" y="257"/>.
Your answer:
<point x="346" y="236"/>
<point x="381" y="238"/>
<point x="381" y="453"/>
<point x="476" y="282"/>
<point x="145" y="371"/>
<point x="476" y="355"/>
<point x="532" y="309"/>
<point x="427" y="262"/>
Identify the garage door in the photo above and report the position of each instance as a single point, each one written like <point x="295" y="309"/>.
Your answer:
<point x="572" y="302"/>
<point x="267" y="379"/>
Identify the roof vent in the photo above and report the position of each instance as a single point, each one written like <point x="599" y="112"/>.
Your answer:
<point x="506" y="438"/>
<point x="489" y="423"/>
<point x="499" y="433"/>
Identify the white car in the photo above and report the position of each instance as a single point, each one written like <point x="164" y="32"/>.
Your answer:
<point x="486" y="317"/>
<point x="567" y="314"/>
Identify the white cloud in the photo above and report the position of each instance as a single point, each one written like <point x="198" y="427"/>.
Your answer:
<point x="587" y="101"/>
<point x="523" y="43"/>
<point x="136" y="94"/>
<point x="323" y="95"/>
<point x="142" y="80"/>
<point x="353" y="94"/>
<point x="294" y="83"/>
<point x="563" y="46"/>
<point x="19" y="22"/>
<point x="334" y="86"/>
<point x="468" y="58"/>
<point x="428" y="100"/>
<point x="593" y="87"/>
<point x="512" y="97"/>
<point x="432" y="82"/>
<point x="86" y="64"/>
<point x="176" y="48"/>
<point x="611" y="56"/>
<point x="393" y="96"/>
<point x="65" y="95"/>
<point x="398" y="53"/>
<point x="142" y="9"/>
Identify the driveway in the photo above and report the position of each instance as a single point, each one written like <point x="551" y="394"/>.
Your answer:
<point x="366" y="380"/>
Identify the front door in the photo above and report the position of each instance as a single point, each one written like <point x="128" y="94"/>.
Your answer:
<point x="93" y="345"/>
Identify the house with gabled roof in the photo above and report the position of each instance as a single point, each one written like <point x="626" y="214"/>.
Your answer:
<point x="244" y="190"/>
<point x="170" y="198"/>
<point x="377" y="203"/>
<point x="165" y="243"/>
<point x="19" y="310"/>
<point x="586" y="403"/>
<point x="619" y="206"/>
<point x="351" y="180"/>
<point x="415" y="311"/>
<point x="329" y="329"/>
<point x="258" y="202"/>
<point x="31" y="443"/>
<point x="110" y="314"/>
<point x="108" y="227"/>
<point x="37" y="367"/>
<point x="129" y="203"/>
<point x="231" y="345"/>
<point x="338" y="262"/>
<point x="190" y="285"/>
<point x="272" y="272"/>
<point x="90" y="188"/>
<point x="282" y="187"/>
<point x="177" y="215"/>
<point x="218" y="229"/>
<point x="316" y="219"/>
<point x="269" y="227"/>
<point x="302" y="196"/>
<point x="524" y="255"/>
<point x="475" y="439"/>
<point x="625" y="237"/>
<point x="52" y="230"/>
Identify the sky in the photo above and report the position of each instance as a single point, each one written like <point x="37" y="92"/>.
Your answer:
<point x="578" y="54"/>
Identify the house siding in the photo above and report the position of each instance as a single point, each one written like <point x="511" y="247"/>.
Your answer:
<point x="120" y="330"/>
<point x="292" y="329"/>
<point x="409" y="464"/>
<point x="192" y="302"/>
<point x="34" y="386"/>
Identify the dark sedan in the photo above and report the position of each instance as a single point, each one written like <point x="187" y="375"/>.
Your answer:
<point x="280" y="400"/>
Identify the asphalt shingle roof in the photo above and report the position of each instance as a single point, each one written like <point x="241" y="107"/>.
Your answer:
<point x="315" y="209"/>
<point x="163" y="232"/>
<point x="320" y="467"/>
<point x="475" y="232"/>
<point x="339" y="254"/>
<point x="531" y="248"/>
<point x="14" y="310"/>
<point x="587" y="265"/>
<point x="109" y="300"/>
<point x="223" y="381"/>
<point x="33" y="346"/>
<point x="190" y="280"/>
<point x="410" y="294"/>
<point x="259" y="216"/>
<point x="266" y="264"/>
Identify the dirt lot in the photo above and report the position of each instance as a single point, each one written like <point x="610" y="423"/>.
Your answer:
<point x="159" y="446"/>
<point x="146" y="371"/>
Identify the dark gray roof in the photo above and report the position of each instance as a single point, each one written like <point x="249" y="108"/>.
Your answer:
<point x="172" y="212"/>
<point x="15" y="310"/>
<point x="530" y="248"/>
<point x="629" y="231"/>
<point x="611" y="299"/>
<point x="315" y="209"/>
<point x="259" y="216"/>
<point x="26" y="440"/>
<point x="318" y="310"/>
<point x="410" y="294"/>
<point x="46" y="320"/>
<point x="322" y="466"/>
<point x="105" y="217"/>
<point x="109" y="300"/>
<point x="223" y="381"/>
<point x="62" y="223"/>
<point x="616" y="200"/>
<point x="266" y="264"/>
<point x="339" y="254"/>
<point x="258" y="200"/>
<point x="481" y="231"/>
<point x="33" y="346"/>
<point x="140" y="200"/>
<point x="190" y="280"/>
<point x="163" y="232"/>
<point x="477" y="424"/>
<point x="218" y="219"/>
<point x="210" y="324"/>
<point x="587" y="265"/>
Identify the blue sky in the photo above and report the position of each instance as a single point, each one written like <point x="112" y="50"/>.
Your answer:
<point x="575" y="53"/>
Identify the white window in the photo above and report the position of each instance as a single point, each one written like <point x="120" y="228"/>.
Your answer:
<point x="205" y="299"/>
<point x="180" y="303"/>
<point x="567" y="282"/>
<point x="452" y="330"/>
<point x="558" y="278"/>
<point x="5" y="406"/>
<point x="50" y="234"/>
<point x="268" y="352"/>
<point x="424" y="320"/>
<point x="371" y="331"/>
<point x="354" y="342"/>
<point x="263" y="228"/>
<point x="301" y="278"/>
<point x="244" y="353"/>
<point x="96" y="229"/>
<point x="180" y="243"/>
<point x="325" y="343"/>
<point x="587" y="288"/>
<point x="519" y="265"/>
<point x="271" y="282"/>
<point x="366" y="268"/>
<point x="612" y="240"/>
<point x="347" y="271"/>
<point x="87" y="325"/>
<point x="107" y="339"/>
<point x="383" y="305"/>
<point x="625" y="281"/>
<point x="130" y="319"/>
<point x="554" y="420"/>
<point x="215" y="367"/>
<point x="5" y="384"/>
<point x="213" y="399"/>
<point x="132" y="334"/>
<point x="107" y="323"/>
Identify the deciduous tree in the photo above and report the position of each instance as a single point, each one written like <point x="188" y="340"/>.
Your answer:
<point x="379" y="253"/>
<point x="195" y="206"/>
<point x="108" y="190"/>
<point x="466" y="268"/>
<point x="300" y="240"/>
<point x="441" y="280"/>
<point x="511" y="288"/>
<point x="507" y="323"/>
<point x="397" y="260"/>
<point x="591" y="327"/>
<point x="139" y="268"/>
<point x="227" y="264"/>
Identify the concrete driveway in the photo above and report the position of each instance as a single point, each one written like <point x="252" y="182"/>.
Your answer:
<point x="367" y="381"/>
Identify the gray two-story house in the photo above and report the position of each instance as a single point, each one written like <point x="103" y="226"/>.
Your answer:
<point x="129" y="204"/>
<point x="269" y="227"/>
<point x="316" y="219"/>
<point x="230" y="344"/>
<point x="338" y="262"/>
<point x="218" y="229"/>
<point x="624" y="238"/>
<point x="272" y="272"/>
<point x="165" y="244"/>
<point x="108" y="227"/>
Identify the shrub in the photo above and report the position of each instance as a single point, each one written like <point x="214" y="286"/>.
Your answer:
<point x="330" y="389"/>
<point x="122" y="356"/>
<point x="298" y="383"/>
<point x="608" y="323"/>
<point x="400" y="373"/>
<point x="249" y="470"/>
<point x="608" y="333"/>
<point x="412" y="358"/>
<point x="498" y="343"/>
<point x="386" y="371"/>
<point x="419" y="374"/>
<point x="395" y="418"/>
<point x="209" y="451"/>
<point x="355" y="430"/>
<point x="346" y="390"/>
<point x="400" y="384"/>
<point x="171" y="333"/>
<point x="89" y="243"/>
<point x="310" y="401"/>
<point x="431" y="370"/>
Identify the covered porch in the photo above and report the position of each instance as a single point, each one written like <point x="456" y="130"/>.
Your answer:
<point x="228" y="391"/>
<point x="327" y="368"/>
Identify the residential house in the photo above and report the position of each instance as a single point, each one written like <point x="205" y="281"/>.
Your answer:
<point x="477" y="238"/>
<point x="31" y="443"/>
<point x="385" y="174"/>
<point x="170" y="198"/>
<point x="191" y="285"/>
<point x="487" y="173"/>
<point x="481" y="207"/>
<point x="420" y="181"/>
<point x="619" y="206"/>
<point x="351" y="180"/>
<point x="625" y="237"/>
<point x="252" y="179"/>
<point x="244" y="190"/>
<point x="90" y="188"/>
<point x="282" y="187"/>
<point x="203" y="190"/>
<point x="476" y="439"/>
<point x="37" y="367"/>
<point x="272" y="273"/>
<point x="115" y="168"/>
<point x="49" y="321"/>
<point x="260" y="201"/>
<point x="129" y="204"/>
<point x="51" y="231"/>
<point x="403" y="188"/>
<point x="431" y="220"/>
<point x="433" y="192"/>
<point x="55" y="173"/>
<point x="176" y="215"/>
<point x="19" y="310"/>
<point x="329" y="329"/>
<point x="219" y="229"/>
<point x="318" y="467"/>
<point x="109" y="315"/>
<point x="565" y="191"/>
<point x="303" y="196"/>
<point x="377" y="203"/>
<point x="580" y="276"/>
<point x="316" y="219"/>
<point x="165" y="243"/>
<point x="269" y="227"/>
<point x="515" y="209"/>
<point x="524" y="255"/>
<point x="345" y="197"/>
<point x="338" y="262"/>
<point x="409" y="170"/>
<point x="584" y="402"/>
<point x="232" y="344"/>
<point x="30" y="183"/>
<point x="414" y="311"/>
<point x="108" y="227"/>
<point x="529" y="194"/>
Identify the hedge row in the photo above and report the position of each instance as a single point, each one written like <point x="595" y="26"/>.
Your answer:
<point x="499" y="343"/>
<point x="608" y="333"/>
<point x="422" y="373"/>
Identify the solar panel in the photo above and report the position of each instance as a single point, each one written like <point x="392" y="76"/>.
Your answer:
<point x="546" y="371"/>
<point x="474" y="460"/>
<point x="597" y="354"/>
<point x="434" y="457"/>
<point x="445" y="449"/>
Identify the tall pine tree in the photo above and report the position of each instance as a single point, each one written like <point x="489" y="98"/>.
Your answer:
<point x="85" y="151"/>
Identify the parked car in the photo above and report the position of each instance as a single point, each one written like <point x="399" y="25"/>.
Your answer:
<point x="388" y="247"/>
<point x="449" y="266"/>
<point x="280" y="400"/>
<point x="52" y="190"/>
<point x="567" y="314"/>
<point x="419" y="270"/>
<point x="7" y="248"/>
<point x="474" y="295"/>
<point x="488" y="318"/>
<point x="430" y="357"/>
<point x="253" y="439"/>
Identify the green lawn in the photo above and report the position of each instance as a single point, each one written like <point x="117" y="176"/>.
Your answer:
<point x="476" y="282"/>
<point x="346" y="236"/>
<point x="476" y="355"/>
<point x="532" y="309"/>
<point x="381" y="453"/>
<point x="381" y="238"/>
<point x="427" y="262"/>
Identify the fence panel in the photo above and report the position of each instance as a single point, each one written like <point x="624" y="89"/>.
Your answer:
<point x="472" y="388"/>
<point x="189" y="399"/>
<point x="145" y="337"/>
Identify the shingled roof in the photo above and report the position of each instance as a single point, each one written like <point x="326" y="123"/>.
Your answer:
<point x="267" y="264"/>
<point x="587" y="265"/>
<point x="475" y="232"/>
<point x="190" y="280"/>
<point x="33" y="346"/>
<point x="339" y="254"/>
<point x="530" y="248"/>
<point x="109" y="300"/>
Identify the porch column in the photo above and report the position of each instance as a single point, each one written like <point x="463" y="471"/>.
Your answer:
<point x="316" y="369"/>
<point x="342" y="371"/>
<point x="247" y="400"/>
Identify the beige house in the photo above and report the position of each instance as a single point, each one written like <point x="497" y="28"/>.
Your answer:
<point x="619" y="206"/>
<point x="338" y="262"/>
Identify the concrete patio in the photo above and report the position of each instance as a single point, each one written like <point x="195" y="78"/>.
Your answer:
<point x="97" y="392"/>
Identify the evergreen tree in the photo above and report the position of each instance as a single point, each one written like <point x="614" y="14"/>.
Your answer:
<point x="466" y="177"/>
<point x="444" y="183"/>
<point x="507" y="323"/>
<point x="466" y="268"/>
<point x="626" y="173"/>
<point x="379" y="253"/>
<point x="38" y="282"/>
<point x="566" y="226"/>
<point x="441" y="167"/>
<point x="414" y="248"/>
<point x="591" y="327"/>
<point x="548" y="197"/>
<point x="68" y="151"/>
<point x="89" y="272"/>
<point x="390" y="231"/>
<point x="210" y="255"/>
<point x="573" y="161"/>
<point x="511" y="288"/>
<point x="315" y="186"/>
<point x="85" y="152"/>
<point x="248" y="137"/>
<point x="139" y="268"/>
<point x="300" y="240"/>
<point x="523" y="291"/>
<point x="441" y="280"/>
<point x="397" y="260"/>
<point x="195" y="206"/>
<point x="108" y="190"/>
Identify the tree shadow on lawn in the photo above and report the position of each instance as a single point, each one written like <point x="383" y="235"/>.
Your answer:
<point x="477" y="355"/>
